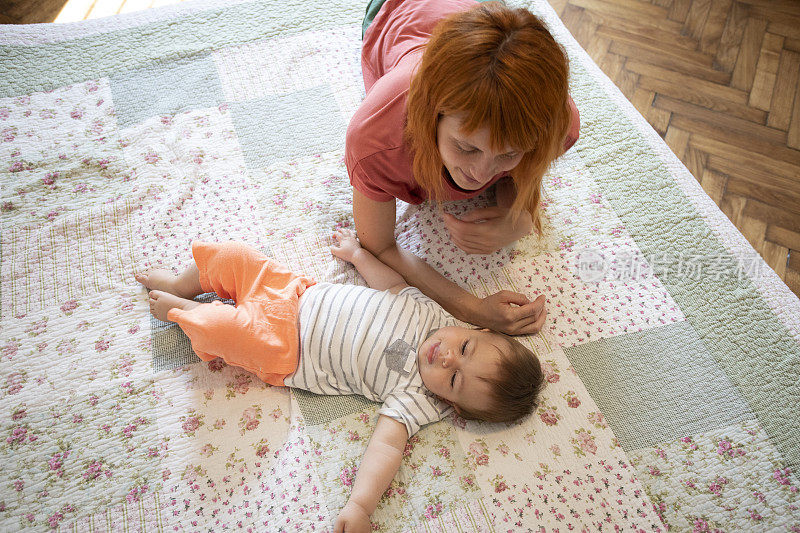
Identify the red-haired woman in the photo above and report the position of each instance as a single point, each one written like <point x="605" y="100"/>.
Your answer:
<point x="461" y="96"/>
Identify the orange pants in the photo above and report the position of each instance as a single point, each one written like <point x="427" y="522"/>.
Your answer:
<point x="261" y="333"/>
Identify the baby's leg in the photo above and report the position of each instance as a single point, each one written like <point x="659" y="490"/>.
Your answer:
<point x="161" y="302"/>
<point x="186" y="284"/>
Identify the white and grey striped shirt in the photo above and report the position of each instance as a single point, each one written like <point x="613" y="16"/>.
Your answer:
<point x="356" y="340"/>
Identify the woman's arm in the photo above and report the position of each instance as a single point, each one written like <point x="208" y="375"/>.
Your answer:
<point x="505" y="311"/>
<point x="377" y="469"/>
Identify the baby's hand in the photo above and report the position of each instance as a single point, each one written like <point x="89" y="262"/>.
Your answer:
<point x="352" y="519"/>
<point x="345" y="244"/>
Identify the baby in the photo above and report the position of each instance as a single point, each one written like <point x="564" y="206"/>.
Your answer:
<point x="388" y="342"/>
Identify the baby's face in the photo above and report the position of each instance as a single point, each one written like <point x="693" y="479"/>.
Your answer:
<point x="454" y="363"/>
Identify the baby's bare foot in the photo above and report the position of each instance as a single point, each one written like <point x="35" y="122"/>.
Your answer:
<point x="185" y="285"/>
<point x="161" y="302"/>
<point x="159" y="279"/>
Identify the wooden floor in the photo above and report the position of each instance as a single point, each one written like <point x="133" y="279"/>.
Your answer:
<point x="718" y="79"/>
<point x="37" y="11"/>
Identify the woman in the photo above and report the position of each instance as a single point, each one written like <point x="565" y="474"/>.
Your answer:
<point x="461" y="97"/>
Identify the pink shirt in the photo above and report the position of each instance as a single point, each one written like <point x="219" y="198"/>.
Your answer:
<point x="377" y="159"/>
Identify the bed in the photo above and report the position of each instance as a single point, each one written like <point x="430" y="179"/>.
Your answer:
<point x="672" y="351"/>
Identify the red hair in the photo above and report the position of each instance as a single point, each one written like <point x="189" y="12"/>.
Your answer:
<point x="497" y="68"/>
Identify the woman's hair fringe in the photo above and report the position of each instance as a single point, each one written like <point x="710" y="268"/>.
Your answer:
<point x="494" y="67"/>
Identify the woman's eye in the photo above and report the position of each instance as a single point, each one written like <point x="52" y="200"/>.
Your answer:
<point x="466" y="151"/>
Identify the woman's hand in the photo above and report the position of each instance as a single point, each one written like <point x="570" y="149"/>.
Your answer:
<point x="352" y="519"/>
<point x="512" y="313"/>
<point x="486" y="230"/>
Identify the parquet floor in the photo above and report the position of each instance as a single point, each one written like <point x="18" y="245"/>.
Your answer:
<point x="37" y="11"/>
<point x="718" y="79"/>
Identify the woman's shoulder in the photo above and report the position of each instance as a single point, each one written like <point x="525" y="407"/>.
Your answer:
<point x="378" y="123"/>
<point x="376" y="156"/>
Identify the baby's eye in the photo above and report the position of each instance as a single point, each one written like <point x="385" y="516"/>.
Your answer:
<point x="453" y="380"/>
<point x="464" y="347"/>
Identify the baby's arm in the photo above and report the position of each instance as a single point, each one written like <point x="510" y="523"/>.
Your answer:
<point x="378" y="467"/>
<point x="379" y="275"/>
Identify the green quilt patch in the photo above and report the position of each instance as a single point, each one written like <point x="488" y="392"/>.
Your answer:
<point x="657" y="385"/>
<point x="731" y="318"/>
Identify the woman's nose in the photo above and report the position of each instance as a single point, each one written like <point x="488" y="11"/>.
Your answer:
<point x="483" y="169"/>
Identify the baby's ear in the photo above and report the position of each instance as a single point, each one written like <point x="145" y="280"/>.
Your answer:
<point x="451" y="404"/>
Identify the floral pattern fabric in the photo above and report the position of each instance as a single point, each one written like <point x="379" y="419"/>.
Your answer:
<point x="95" y="438"/>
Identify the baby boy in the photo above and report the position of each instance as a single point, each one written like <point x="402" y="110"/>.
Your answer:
<point x="387" y="342"/>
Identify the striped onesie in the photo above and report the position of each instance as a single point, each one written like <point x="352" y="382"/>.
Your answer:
<point x="357" y="340"/>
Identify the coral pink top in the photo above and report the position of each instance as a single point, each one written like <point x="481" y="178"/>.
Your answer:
<point x="377" y="159"/>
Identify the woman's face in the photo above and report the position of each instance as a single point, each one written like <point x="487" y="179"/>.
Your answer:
<point x="468" y="157"/>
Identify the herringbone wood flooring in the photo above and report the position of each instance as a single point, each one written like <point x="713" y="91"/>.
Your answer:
<point x="718" y="79"/>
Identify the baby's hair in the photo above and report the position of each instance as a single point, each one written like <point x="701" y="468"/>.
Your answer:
<point x="515" y="388"/>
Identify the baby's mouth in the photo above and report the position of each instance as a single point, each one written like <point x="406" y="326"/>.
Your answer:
<point x="434" y="351"/>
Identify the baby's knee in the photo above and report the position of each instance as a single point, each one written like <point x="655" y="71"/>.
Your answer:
<point x="238" y="253"/>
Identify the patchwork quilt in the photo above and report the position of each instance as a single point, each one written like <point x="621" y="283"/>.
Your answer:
<point x="672" y="352"/>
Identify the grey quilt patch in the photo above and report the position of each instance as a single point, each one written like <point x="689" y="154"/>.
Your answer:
<point x="658" y="385"/>
<point x="288" y="131"/>
<point x="156" y="89"/>
<point x="320" y="409"/>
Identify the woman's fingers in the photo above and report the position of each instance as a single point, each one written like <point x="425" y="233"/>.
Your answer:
<point x="527" y="325"/>
<point x="538" y="304"/>
<point x="516" y="315"/>
<point x="531" y="325"/>
<point x="463" y="245"/>
<point x="460" y="227"/>
<point x="527" y="311"/>
<point x="472" y="246"/>
<point x="476" y="237"/>
<point x="475" y="230"/>
<point x="511" y="297"/>
<point x="483" y="214"/>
